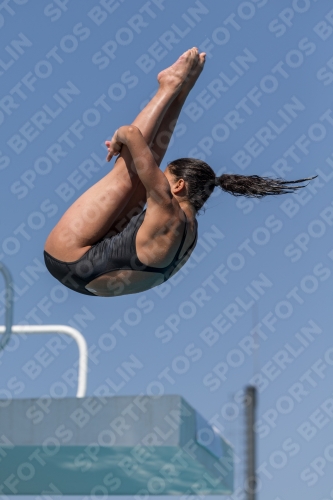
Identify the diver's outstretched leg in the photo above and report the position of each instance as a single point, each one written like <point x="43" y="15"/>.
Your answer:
<point x="164" y="133"/>
<point x="161" y="140"/>
<point x="91" y="216"/>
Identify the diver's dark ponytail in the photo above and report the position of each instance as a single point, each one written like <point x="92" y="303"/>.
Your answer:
<point x="201" y="181"/>
<point x="256" y="187"/>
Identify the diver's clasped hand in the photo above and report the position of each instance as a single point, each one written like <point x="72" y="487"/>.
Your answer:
<point x="120" y="137"/>
<point x="114" y="146"/>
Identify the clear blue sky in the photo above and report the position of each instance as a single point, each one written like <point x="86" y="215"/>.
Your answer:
<point x="70" y="75"/>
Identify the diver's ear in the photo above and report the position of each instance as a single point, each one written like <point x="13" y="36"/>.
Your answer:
<point x="178" y="186"/>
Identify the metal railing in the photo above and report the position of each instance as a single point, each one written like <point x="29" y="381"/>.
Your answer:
<point x="67" y="330"/>
<point x="9" y="329"/>
<point x="8" y="305"/>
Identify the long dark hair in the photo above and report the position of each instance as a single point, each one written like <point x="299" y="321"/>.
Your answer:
<point x="201" y="180"/>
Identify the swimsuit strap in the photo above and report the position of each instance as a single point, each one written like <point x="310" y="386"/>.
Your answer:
<point x="176" y="257"/>
<point x="176" y="261"/>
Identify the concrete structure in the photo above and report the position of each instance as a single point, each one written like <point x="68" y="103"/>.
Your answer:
<point x="123" y="445"/>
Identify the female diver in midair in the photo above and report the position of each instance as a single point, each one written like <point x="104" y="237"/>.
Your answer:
<point x="105" y="245"/>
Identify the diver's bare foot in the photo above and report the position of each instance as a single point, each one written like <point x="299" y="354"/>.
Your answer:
<point x="192" y="76"/>
<point x="174" y="76"/>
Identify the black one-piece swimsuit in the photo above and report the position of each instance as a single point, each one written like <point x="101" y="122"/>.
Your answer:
<point x="110" y="254"/>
